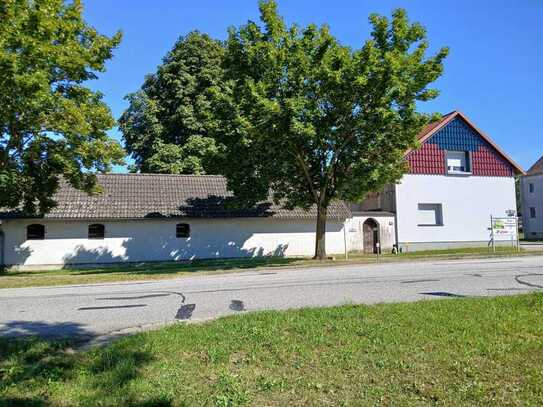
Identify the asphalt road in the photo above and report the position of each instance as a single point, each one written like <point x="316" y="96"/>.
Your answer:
<point x="107" y="310"/>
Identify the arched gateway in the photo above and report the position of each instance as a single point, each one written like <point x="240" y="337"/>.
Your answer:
<point x="370" y="230"/>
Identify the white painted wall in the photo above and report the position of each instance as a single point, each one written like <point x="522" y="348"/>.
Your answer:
<point x="154" y="240"/>
<point x="533" y="227"/>
<point x="467" y="203"/>
<point x="355" y="234"/>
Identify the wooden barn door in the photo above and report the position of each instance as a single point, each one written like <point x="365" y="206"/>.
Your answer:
<point x="370" y="230"/>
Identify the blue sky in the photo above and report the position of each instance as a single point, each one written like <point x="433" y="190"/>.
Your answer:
<point x="494" y="73"/>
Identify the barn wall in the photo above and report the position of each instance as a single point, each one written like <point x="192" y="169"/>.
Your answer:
<point x="355" y="232"/>
<point x="383" y="200"/>
<point x="154" y="240"/>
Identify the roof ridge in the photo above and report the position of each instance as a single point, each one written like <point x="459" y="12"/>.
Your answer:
<point x="451" y="112"/>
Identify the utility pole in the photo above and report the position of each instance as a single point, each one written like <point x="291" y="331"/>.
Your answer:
<point x="345" y="240"/>
<point x="492" y="229"/>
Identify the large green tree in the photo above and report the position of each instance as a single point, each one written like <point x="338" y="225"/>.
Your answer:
<point x="51" y="125"/>
<point x="312" y="120"/>
<point x="169" y="122"/>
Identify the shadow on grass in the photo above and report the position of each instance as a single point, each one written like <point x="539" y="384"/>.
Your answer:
<point x="211" y="265"/>
<point x="191" y="267"/>
<point x="33" y="364"/>
<point x="165" y="268"/>
<point x="26" y="359"/>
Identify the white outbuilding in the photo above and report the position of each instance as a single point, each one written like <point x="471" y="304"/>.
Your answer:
<point x="147" y="218"/>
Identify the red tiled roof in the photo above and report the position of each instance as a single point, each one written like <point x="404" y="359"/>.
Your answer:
<point x="431" y="126"/>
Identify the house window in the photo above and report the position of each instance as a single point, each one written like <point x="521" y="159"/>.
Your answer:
<point x="531" y="186"/>
<point x="35" y="232"/>
<point x="97" y="231"/>
<point x="532" y="212"/>
<point x="430" y="214"/>
<point x="458" y="162"/>
<point x="182" y="230"/>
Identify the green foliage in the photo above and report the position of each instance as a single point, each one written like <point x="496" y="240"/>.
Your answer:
<point x="169" y="123"/>
<point x="314" y="120"/>
<point x="473" y="351"/>
<point x="51" y="125"/>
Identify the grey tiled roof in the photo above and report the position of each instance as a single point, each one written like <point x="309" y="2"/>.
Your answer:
<point x="140" y="196"/>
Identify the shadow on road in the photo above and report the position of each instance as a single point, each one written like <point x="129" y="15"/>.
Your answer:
<point x="72" y="330"/>
<point x="443" y="294"/>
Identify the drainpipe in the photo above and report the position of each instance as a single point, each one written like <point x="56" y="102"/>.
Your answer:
<point x="345" y="239"/>
<point x="2" y="252"/>
<point x="395" y="211"/>
<point x="396" y="232"/>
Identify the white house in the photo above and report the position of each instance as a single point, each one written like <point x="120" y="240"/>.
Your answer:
<point x="458" y="178"/>
<point x="531" y="192"/>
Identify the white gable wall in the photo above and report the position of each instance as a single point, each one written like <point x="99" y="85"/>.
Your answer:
<point x="154" y="240"/>
<point x="467" y="203"/>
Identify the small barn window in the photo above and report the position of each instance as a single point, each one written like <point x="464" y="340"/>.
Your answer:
<point x="532" y="212"/>
<point x="182" y="230"/>
<point x="97" y="231"/>
<point x="35" y="232"/>
<point x="531" y="188"/>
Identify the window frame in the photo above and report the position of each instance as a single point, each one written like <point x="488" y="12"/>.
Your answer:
<point x="96" y="236"/>
<point x="467" y="162"/>
<point x="41" y="236"/>
<point x="533" y="213"/>
<point x="180" y="234"/>
<point x="438" y="213"/>
<point x="531" y="187"/>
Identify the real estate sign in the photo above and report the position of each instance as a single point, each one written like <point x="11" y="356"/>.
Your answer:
<point x="504" y="228"/>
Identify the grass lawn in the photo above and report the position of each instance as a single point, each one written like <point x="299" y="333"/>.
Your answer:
<point x="147" y="271"/>
<point x="478" y="351"/>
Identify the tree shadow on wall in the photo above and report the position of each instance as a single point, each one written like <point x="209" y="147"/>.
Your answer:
<point x="224" y="207"/>
<point x="32" y="366"/>
<point x="81" y="262"/>
<point x="151" y="254"/>
<point x="23" y="253"/>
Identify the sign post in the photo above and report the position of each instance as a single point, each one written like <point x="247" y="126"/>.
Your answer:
<point x="504" y="229"/>
<point x="492" y="234"/>
<point x="518" y="235"/>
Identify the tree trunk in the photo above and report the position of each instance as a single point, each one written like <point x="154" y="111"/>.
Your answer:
<point x="320" y="239"/>
<point x="2" y="239"/>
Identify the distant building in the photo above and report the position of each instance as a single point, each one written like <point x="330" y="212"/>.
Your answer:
<point x="531" y="192"/>
<point x="457" y="179"/>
